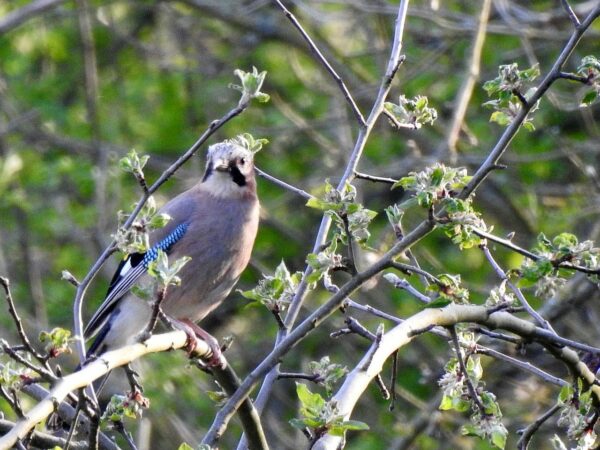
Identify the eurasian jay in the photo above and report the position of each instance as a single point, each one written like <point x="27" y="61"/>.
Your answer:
<point x="215" y="223"/>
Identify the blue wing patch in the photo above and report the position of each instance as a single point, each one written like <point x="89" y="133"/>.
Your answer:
<point x="128" y="272"/>
<point x="164" y="245"/>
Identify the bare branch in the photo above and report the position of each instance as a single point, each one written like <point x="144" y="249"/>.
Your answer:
<point x="283" y="184"/>
<point x="528" y="432"/>
<point x="466" y="90"/>
<point x="572" y="16"/>
<point x="325" y="63"/>
<point x="19" y="323"/>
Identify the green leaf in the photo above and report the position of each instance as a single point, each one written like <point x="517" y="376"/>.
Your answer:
<point x="566" y="393"/>
<point x="436" y="176"/>
<point x="500" y="117"/>
<point x="589" y="98"/>
<point x="317" y="203"/>
<point x="446" y="403"/>
<point x="528" y="126"/>
<point x="499" y="439"/>
<point x="185" y="446"/>
<point x="159" y="220"/>
<point x="309" y="400"/>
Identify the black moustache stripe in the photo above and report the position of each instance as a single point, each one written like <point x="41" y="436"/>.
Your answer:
<point x="237" y="176"/>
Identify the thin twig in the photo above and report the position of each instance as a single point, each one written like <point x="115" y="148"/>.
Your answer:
<point x="463" y="368"/>
<point x="520" y="364"/>
<point x="356" y="327"/>
<point x="283" y="184"/>
<point x="325" y="63"/>
<point x="410" y="269"/>
<point x="374" y="179"/>
<point x="156" y="312"/>
<point x="19" y="323"/>
<point x="46" y="374"/>
<point x="502" y="275"/>
<point x="528" y="432"/>
<point x="400" y="283"/>
<point x="393" y="378"/>
<point x="397" y="124"/>
<point x="350" y="238"/>
<point x="572" y="16"/>
<point x="574" y="77"/>
<point x="496" y="335"/>
<point x="469" y="79"/>
<point x="314" y="377"/>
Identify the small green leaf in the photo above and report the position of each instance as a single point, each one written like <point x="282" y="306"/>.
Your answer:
<point x="317" y="203"/>
<point x="499" y="439"/>
<point x="185" y="446"/>
<point x="159" y="220"/>
<point x="308" y="399"/>
<point x="500" y="117"/>
<point x="528" y="126"/>
<point x="589" y="98"/>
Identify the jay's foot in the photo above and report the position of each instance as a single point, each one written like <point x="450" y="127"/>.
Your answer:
<point x="193" y="331"/>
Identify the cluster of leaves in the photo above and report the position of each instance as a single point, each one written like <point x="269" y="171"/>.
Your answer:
<point x="576" y="408"/>
<point x="499" y="296"/>
<point x="351" y="220"/>
<point x="433" y="185"/>
<point x="463" y="219"/>
<point x="134" y="164"/>
<point x="508" y="90"/>
<point x="590" y="69"/>
<point x="251" y="85"/>
<point x="321" y="416"/>
<point x="121" y="406"/>
<point x="544" y="272"/>
<point x="12" y="376"/>
<point x="486" y="424"/>
<point x="135" y="238"/>
<point x="448" y="288"/>
<point x="438" y="186"/>
<point x="249" y="142"/>
<point x="324" y="261"/>
<point x="411" y="113"/>
<point x="327" y="373"/>
<point x="348" y="215"/>
<point x="57" y="341"/>
<point x="277" y="290"/>
<point x="165" y="273"/>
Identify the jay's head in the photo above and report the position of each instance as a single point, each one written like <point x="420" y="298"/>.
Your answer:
<point x="229" y="170"/>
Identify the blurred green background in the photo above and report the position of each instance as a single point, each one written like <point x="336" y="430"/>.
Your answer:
<point x="161" y="72"/>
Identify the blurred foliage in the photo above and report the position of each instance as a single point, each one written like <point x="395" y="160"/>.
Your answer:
<point x="163" y="71"/>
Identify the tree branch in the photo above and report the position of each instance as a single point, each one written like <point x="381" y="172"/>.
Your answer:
<point x="360" y="377"/>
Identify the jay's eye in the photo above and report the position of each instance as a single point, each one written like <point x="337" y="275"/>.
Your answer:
<point x="242" y="161"/>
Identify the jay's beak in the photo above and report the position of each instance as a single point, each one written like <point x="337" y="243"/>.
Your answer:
<point x="221" y="165"/>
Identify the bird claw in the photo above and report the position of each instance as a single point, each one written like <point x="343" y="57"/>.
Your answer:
<point x="214" y="358"/>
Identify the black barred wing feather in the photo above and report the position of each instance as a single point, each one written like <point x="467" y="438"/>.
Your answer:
<point x="127" y="274"/>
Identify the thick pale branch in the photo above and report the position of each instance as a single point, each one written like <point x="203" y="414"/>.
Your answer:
<point x="371" y="365"/>
<point x="91" y="372"/>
